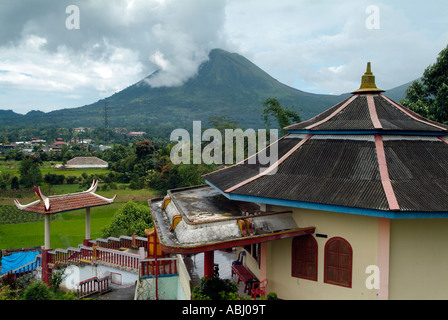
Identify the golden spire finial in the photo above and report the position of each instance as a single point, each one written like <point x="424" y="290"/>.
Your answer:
<point x="369" y="68"/>
<point x="368" y="82"/>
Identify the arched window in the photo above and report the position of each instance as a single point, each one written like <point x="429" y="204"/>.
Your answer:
<point x="338" y="262"/>
<point x="304" y="257"/>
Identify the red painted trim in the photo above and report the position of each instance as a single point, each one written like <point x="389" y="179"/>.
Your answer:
<point x="309" y="120"/>
<point x="411" y="114"/>
<point x="238" y="243"/>
<point x="351" y="262"/>
<point x="247" y="159"/>
<point x="372" y="110"/>
<point x="443" y="139"/>
<point x="385" y="180"/>
<point x="334" y="113"/>
<point x="274" y="166"/>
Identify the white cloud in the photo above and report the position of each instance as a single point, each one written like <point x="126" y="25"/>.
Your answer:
<point x="301" y="42"/>
<point x="316" y="46"/>
<point x="28" y="66"/>
<point x="118" y="44"/>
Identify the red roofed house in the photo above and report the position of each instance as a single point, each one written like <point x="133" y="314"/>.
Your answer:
<point x="59" y="143"/>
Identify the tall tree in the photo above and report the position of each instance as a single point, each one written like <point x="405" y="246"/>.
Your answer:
<point x="428" y="96"/>
<point x="284" y="116"/>
<point x="30" y="174"/>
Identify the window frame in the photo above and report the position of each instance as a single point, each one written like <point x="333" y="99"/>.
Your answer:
<point x="295" y="262"/>
<point x="254" y="251"/>
<point x="339" y="269"/>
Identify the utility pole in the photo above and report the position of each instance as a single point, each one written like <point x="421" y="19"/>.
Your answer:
<point x="106" y="120"/>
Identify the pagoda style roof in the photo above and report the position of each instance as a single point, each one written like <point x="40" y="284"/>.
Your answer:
<point x="198" y="219"/>
<point x="369" y="113"/>
<point x="366" y="155"/>
<point x="65" y="202"/>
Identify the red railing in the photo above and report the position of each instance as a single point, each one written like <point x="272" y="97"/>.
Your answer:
<point x="93" y="285"/>
<point x="64" y="256"/>
<point x="90" y="255"/>
<point x="122" y="259"/>
<point x="95" y="254"/>
<point x="123" y="242"/>
<point x="166" y="266"/>
<point x="101" y="250"/>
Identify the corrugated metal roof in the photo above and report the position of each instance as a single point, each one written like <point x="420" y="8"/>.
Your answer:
<point x="375" y="154"/>
<point x="419" y="174"/>
<point x="337" y="172"/>
<point x="357" y="117"/>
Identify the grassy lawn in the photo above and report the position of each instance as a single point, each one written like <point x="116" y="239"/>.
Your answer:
<point x="68" y="229"/>
<point x="12" y="167"/>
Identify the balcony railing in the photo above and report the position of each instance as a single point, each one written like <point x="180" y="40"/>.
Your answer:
<point x="123" y="242"/>
<point x="92" y="286"/>
<point x="163" y="266"/>
<point x="90" y="255"/>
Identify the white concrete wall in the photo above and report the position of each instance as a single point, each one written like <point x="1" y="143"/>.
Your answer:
<point x="76" y="274"/>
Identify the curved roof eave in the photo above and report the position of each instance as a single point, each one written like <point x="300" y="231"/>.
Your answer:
<point x="390" y="214"/>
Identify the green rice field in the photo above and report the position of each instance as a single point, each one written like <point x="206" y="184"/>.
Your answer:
<point x="67" y="229"/>
<point x="12" y="167"/>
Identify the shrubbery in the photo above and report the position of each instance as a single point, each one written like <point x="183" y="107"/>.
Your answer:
<point x="130" y="218"/>
<point x="215" y="288"/>
<point x="27" y="288"/>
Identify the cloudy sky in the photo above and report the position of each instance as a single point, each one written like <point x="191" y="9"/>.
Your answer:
<point x="69" y="53"/>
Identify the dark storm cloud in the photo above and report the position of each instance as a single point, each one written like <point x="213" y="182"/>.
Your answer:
<point x="172" y="35"/>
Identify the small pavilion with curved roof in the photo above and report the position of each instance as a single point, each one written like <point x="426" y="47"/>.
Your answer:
<point x="49" y="205"/>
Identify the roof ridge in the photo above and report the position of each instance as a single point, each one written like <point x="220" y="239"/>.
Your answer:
<point x="384" y="173"/>
<point x="91" y="190"/>
<point x="249" y="157"/>
<point x="274" y="166"/>
<point x="350" y="100"/>
<point x="317" y="115"/>
<point x="372" y="111"/>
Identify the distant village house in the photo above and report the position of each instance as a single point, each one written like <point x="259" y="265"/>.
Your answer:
<point x="136" y="133"/>
<point x="84" y="163"/>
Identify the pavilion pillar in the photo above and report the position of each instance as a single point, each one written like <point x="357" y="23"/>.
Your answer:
<point x="209" y="257"/>
<point x="46" y="271"/>
<point x="87" y="236"/>
<point x="47" y="231"/>
<point x="383" y="257"/>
